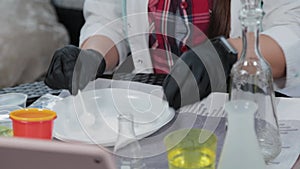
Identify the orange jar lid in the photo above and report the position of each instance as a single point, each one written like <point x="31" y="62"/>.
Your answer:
<point x="32" y="115"/>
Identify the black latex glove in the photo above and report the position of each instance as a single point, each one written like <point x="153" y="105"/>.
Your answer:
<point x="199" y="71"/>
<point x="72" y="68"/>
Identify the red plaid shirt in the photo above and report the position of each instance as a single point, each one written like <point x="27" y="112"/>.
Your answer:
<point x="163" y="46"/>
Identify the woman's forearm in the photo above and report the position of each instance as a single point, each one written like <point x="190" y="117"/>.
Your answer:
<point x="271" y="51"/>
<point x="106" y="47"/>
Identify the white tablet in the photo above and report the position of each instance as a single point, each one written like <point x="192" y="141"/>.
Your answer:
<point x="21" y="153"/>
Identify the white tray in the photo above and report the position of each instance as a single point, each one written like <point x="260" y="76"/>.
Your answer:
<point x="150" y="113"/>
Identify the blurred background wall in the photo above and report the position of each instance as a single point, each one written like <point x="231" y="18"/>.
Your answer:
<point x="69" y="13"/>
<point x="29" y="35"/>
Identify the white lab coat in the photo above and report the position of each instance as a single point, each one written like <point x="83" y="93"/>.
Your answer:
<point x="104" y="17"/>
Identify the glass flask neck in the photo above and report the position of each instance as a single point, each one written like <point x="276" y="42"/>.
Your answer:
<point x="251" y="4"/>
<point x="126" y="140"/>
<point x="251" y="23"/>
<point x="126" y="128"/>
<point x="127" y="147"/>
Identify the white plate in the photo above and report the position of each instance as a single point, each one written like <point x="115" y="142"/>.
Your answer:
<point x="150" y="113"/>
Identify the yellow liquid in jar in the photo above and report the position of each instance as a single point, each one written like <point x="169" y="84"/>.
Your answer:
<point x="191" y="158"/>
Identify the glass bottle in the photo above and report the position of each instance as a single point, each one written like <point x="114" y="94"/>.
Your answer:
<point x="127" y="148"/>
<point x="241" y="149"/>
<point x="251" y="79"/>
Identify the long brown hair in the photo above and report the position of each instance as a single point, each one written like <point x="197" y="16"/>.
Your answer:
<point x="220" y="19"/>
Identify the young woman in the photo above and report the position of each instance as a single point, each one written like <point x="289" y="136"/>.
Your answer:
<point x="153" y="31"/>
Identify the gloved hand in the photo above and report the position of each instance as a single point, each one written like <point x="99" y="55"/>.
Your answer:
<point x="72" y="68"/>
<point x="199" y="71"/>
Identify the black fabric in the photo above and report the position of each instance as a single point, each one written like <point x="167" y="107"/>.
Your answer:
<point x="73" y="20"/>
<point x="189" y="80"/>
<point x="72" y="68"/>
